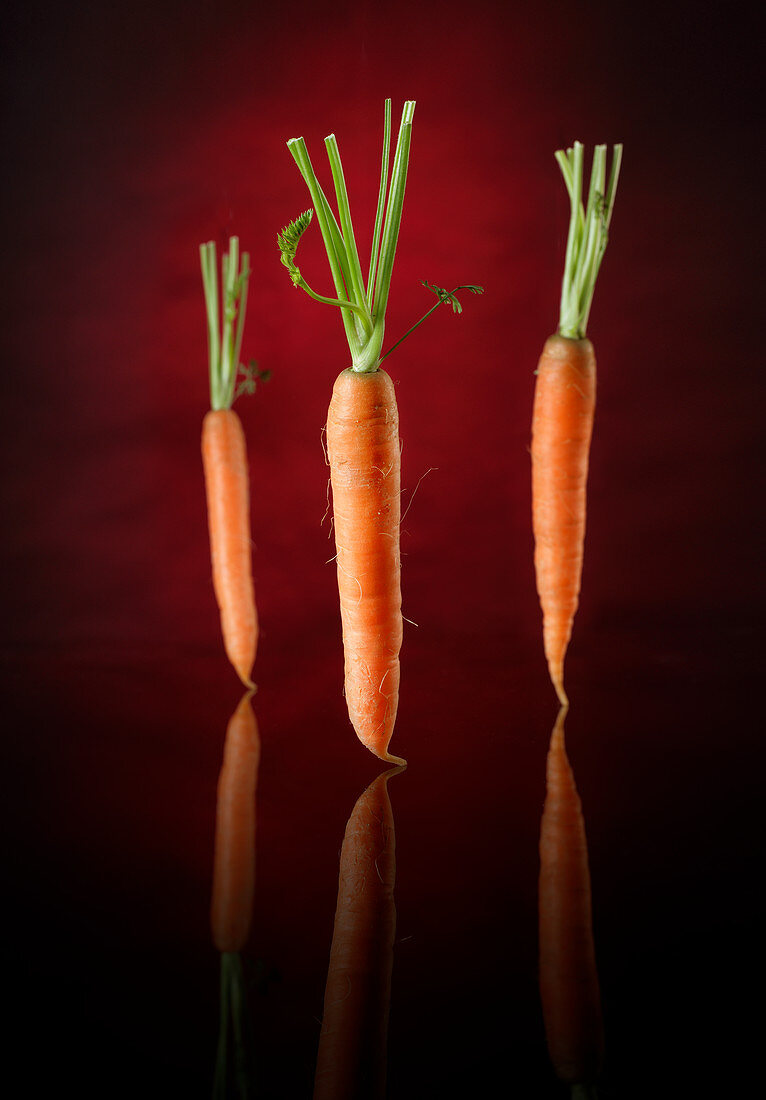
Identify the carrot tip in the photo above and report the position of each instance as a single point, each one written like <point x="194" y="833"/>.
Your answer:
<point x="558" y="684"/>
<point x="399" y="761"/>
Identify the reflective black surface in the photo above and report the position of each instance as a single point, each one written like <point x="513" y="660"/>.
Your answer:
<point x="110" y="771"/>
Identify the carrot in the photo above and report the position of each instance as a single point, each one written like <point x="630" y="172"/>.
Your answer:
<point x="362" y="431"/>
<point x="363" y="434"/>
<point x="351" y="1061"/>
<point x="569" y="987"/>
<point x="224" y="459"/>
<point x="563" y="413"/>
<point x="234" y="862"/>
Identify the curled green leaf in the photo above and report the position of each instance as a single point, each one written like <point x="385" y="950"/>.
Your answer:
<point x="448" y="296"/>
<point x="288" y="241"/>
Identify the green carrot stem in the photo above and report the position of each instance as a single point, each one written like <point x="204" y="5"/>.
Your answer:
<point x="344" y="210"/>
<point x="381" y="202"/>
<point x="224" y="332"/>
<point x="444" y="298"/>
<point x="362" y="308"/>
<point x="394" y="211"/>
<point x="342" y="302"/>
<point x="333" y="240"/>
<point x="588" y="233"/>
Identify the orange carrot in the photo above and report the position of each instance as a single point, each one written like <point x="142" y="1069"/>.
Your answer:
<point x="234" y="862"/>
<point x="362" y="429"/>
<point x="564" y="407"/>
<point x="351" y="1062"/>
<point x="224" y="457"/>
<point x="362" y="435"/>
<point x="365" y="469"/>
<point x="562" y="423"/>
<point x="569" y="987"/>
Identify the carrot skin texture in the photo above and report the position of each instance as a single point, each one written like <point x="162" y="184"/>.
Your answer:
<point x="562" y="426"/>
<point x="351" y="1061"/>
<point x="365" y="469"/>
<point x="569" y="987"/>
<point x="234" y="862"/>
<point x="224" y="457"/>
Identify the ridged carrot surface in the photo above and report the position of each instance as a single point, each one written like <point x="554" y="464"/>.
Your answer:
<point x="351" y="1062"/>
<point x="569" y="986"/>
<point x="234" y="864"/>
<point x="562" y="425"/>
<point x="365" y="469"/>
<point x="224" y="457"/>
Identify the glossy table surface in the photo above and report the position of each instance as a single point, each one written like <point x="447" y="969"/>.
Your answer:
<point x="111" y="763"/>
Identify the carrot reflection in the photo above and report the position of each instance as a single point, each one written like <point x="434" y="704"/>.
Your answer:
<point x="351" y="1062"/>
<point x="231" y="908"/>
<point x="569" y="986"/>
<point x="234" y="867"/>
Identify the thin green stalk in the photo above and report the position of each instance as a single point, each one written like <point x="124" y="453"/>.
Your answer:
<point x="393" y="211"/>
<point x="444" y="297"/>
<point x="381" y="203"/>
<point x="230" y="264"/>
<point x="210" y="283"/>
<point x="243" y="281"/>
<point x="224" y="331"/>
<point x="588" y="233"/>
<point x="362" y="309"/>
<point x="334" y="244"/>
<point x="356" y="289"/>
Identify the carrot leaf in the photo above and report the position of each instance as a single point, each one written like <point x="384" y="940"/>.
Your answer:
<point x="288" y="241"/>
<point x="588" y="232"/>
<point x="444" y="297"/>
<point x="249" y="376"/>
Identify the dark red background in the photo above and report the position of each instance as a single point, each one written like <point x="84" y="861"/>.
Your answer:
<point x="131" y="134"/>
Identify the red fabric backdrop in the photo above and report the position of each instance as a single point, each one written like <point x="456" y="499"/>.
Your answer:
<point x="136" y="131"/>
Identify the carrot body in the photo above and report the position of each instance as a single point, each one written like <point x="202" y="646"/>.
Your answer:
<point x="351" y="1062"/>
<point x="234" y="863"/>
<point x="562" y="425"/>
<point x="569" y="987"/>
<point x="224" y="457"/>
<point x="365" y="469"/>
